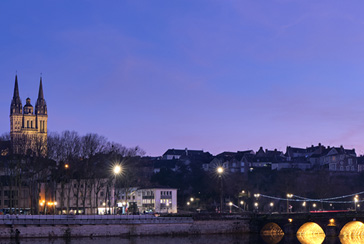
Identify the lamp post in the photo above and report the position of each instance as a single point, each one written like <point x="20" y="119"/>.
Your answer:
<point x="242" y="204"/>
<point x="304" y="205"/>
<point x="288" y="196"/>
<point x="271" y="205"/>
<point x="220" y="171"/>
<point x="230" y="205"/>
<point x="117" y="170"/>
<point x="356" y="199"/>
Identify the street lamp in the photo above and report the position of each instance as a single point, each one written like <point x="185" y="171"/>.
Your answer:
<point x="117" y="170"/>
<point x="230" y="205"/>
<point x="242" y="203"/>
<point x="271" y="206"/>
<point x="356" y="199"/>
<point x="304" y="205"/>
<point x="288" y="196"/>
<point x="220" y="171"/>
<point x="256" y="206"/>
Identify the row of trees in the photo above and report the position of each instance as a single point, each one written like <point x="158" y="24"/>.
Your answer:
<point x="73" y="165"/>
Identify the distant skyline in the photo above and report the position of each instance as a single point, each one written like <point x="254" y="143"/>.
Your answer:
<point x="200" y="74"/>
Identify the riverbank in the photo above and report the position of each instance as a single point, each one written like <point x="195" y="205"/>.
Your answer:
<point x="27" y="226"/>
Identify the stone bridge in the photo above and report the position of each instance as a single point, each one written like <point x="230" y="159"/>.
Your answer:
<point x="327" y="223"/>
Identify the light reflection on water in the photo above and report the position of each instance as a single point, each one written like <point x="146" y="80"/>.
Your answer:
<point x="203" y="239"/>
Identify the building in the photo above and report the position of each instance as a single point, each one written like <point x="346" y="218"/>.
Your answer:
<point x="156" y="200"/>
<point x="171" y="154"/>
<point x="28" y="126"/>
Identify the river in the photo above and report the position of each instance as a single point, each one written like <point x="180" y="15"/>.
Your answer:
<point x="203" y="239"/>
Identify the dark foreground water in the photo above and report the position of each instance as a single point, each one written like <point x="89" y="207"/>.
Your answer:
<point x="214" y="239"/>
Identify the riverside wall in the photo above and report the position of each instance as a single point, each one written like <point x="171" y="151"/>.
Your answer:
<point x="101" y="226"/>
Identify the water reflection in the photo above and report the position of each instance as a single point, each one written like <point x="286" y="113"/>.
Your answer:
<point x="215" y="239"/>
<point x="272" y="239"/>
<point x="351" y="239"/>
<point x="311" y="238"/>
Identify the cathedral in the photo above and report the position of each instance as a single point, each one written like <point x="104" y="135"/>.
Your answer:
<point x="28" y="125"/>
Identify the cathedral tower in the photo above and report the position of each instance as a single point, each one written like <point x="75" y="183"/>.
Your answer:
<point x="28" y="128"/>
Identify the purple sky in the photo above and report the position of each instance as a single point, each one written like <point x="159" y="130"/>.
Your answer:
<point x="202" y="74"/>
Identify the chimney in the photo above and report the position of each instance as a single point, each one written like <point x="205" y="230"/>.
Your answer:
<point x="186" y="150"/>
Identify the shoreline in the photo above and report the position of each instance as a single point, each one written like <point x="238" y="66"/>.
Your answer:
<point x="64" y="226"/>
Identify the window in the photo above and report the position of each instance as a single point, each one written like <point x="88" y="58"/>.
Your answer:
<point x="31" y="124"/>
<point x="332" y="167"/>
<point x="347" y="168"/>
<point x="101" y="194"/>
<point x="342" y="168"/>
<point x="350" y="161"/>
<point x="28" y="123"/>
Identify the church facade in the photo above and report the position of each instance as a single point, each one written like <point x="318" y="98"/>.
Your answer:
<point x="28" y="124"/>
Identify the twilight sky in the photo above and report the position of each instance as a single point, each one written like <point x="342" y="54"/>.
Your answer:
<point x="202" y="74"/>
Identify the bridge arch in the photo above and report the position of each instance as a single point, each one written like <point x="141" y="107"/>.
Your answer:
<point x="310" y="228"/>
<point x="353" y="228"/>
<point x="310" y="233"/>
<point x="270" y="229"/>
<point x="272" y="233"/>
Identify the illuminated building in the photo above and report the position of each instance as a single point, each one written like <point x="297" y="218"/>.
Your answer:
<point x="28" y="128"/>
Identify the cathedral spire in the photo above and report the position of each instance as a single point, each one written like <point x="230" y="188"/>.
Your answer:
<point x="40" y="93"/>
<point x="40" y="105"/>
<point x="16" y="88"/>
<point x="16" y="106"/>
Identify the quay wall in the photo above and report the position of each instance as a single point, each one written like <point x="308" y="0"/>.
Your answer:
<point x="129" y="226"/>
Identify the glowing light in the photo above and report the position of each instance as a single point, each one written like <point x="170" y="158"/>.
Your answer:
<point x="310" y="229"/>
<point x="271" y="204"/>
<point x="220" y="170"/>
<point x="117" y="169"/>
<point x="304" y="204"/>
<point x="192" y="199"/>
<point x="242" y="202"/>
<point x="353" y="228"/>
<point x="188" y="203"/>
<point x="289" y="195"/>
<point x="230" y="204"/>
<point x="66" y="166"/>
<point x="290" y="220"/>
<point x="271" y="229"/>
<point x="332" y="222"/>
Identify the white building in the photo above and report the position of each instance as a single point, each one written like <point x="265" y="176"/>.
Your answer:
<point x="158" y="200"/>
